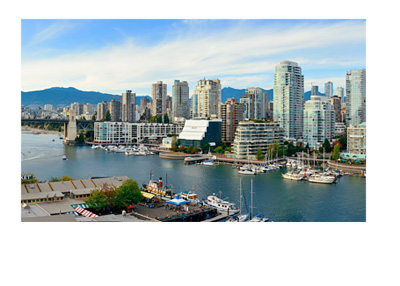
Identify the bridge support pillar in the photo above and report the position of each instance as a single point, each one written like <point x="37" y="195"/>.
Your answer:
<point x="70" y="128"/>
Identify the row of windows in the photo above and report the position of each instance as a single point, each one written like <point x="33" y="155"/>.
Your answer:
<point x="42" y="200"/>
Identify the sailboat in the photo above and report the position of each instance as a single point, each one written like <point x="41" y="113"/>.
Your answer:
<point x="248" y="170"/>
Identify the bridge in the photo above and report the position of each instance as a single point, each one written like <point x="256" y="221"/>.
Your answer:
<point x="71" y="125"/>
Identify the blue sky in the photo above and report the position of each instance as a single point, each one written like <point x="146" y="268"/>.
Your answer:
<point x="114" y="55"/>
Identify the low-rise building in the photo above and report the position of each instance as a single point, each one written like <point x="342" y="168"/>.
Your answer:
<point x="357" y="139"/>
<point x="129" y="133"/>
<point x="196" y="132"/>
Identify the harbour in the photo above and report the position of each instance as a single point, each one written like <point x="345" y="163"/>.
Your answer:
<point x="277" y="199"/>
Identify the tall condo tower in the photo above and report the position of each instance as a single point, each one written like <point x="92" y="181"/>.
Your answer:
<point x="340" y="94"/>
<point x="255" y="103"/>
<point x="180" y="100"/>
<point x="289" y="98"/>
<point x="355" y="97"/>
<point x="128" y="106"/>
<point x="231" y="114"/>
<point x="159" y="98"/>
<point x="329" y="89"/>
<point x="207" y="98"/>
<point x="319" y="121"/>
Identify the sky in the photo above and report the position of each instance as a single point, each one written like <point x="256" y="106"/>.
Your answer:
<point x="114" y="55"/>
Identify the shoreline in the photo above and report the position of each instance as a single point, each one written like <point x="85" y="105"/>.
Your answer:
<point x="40" y="131"/>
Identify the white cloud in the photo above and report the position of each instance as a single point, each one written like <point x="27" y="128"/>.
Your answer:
<point x="237" y="56"/>
<point x="54" y="30"/>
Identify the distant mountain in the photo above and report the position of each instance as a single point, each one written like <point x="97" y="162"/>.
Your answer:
<point x="60" y="97"/>
<point x="229" y="92"/>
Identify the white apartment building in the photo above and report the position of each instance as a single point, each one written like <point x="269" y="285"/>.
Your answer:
<point x="357" y="139"/>
<point x="207" y="98"/>
<point x="319" y="122"/>
<point x="180" y="100"/>
<point x="355" y="97"/>
<point x="250" y="136"/>
<point x="128" y="108"/>
<point x="130" y="133"/>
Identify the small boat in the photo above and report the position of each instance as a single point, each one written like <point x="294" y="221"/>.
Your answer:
<point x="323" y="179"/>
<point x="246" y="172"/>
<point x="221" y="205"/>
<point x="208" y="163"/>
<point x="259" y="218"/>
<point x="292" y="176"/>
<point x="64" y="157"/>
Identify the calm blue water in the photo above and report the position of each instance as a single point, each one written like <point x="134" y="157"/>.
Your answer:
<point x="278" y="199"/>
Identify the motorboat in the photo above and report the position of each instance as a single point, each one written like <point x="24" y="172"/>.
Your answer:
<point x="208" y="163"/>
<point x="292" y="176"/>
<point x="320" y="178"/>
<point x="189" y="196"/>
<point x="259" y="218"/>
<point x="246" y="172"/>
<point x="221" y="205"/>
<point x="64" y="157"/>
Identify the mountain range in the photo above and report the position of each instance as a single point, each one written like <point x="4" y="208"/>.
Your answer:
<point x="61" y="96"/>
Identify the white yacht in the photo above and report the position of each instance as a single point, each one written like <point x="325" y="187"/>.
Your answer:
<point x="208" y="163"/>
<point x="221" y="205"/>
<point x="292" y="176"/>
<point x="323" y="179"/>
<point x="246" y="172"/>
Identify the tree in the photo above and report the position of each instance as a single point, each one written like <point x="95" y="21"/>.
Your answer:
<point x="275" y="148"/>
<point x="80" y="138"/>
<point x="166" y="118"/>
<point x="259" y="154"/>
<point x="219" y="150"/>
<point x="190" y="149"/>
<point x="66" y="178"/>
<point x="107" y="116"/>
<point x="335" y="155"/>
<point x="182" y="148"/>
<point x="94" y="116"/>
<point x="205" y="146"/>
<point x="195" y="150"/>
<point x="128" y="193"/>
<point x="174" y="143"/>
<point x="97" y="200"/>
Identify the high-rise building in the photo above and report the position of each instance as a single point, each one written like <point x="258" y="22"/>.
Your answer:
<point x="289" y="98"/>
<point x="355" y="97"/>
<point x="88" y="108"/>
<point x="128" y="106"/>
<point x="115" y="110"/>
<point x="101" y="110"/>
<point x="180" y="100"/>
<point x="231" y="114"/>
<point x="340" y="94"/>
<point x="143" y="103"/>
<point x="159" y="98"/>
<point x="335" y="102"/>
<point x="48" y="107"/>
<point x="314" y="90"/>
<point x="254" y="103"/>
<point x="329" y="89"/>
<point x="319" y="121"/>
<point x="208" y="98"/>
<point x="78" y="107"/>
<point x="168" y="104"/>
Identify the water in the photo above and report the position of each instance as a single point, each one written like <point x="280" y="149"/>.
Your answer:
<point x="278" y="199"/>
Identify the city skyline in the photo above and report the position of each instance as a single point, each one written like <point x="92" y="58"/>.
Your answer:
<point x="115" y="55"/>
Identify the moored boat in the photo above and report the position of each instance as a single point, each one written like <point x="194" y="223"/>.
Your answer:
<point x="323" y="179"/>
<point x="221" y="204"/>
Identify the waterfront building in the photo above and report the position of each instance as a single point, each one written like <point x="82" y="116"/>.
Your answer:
<point x="143" y="102"/>
<point x="289" y="98"/>
<point x="329" y="89"/>
<point x="319" y="121"/>
<point x="196" y="132"/>
<point x="128" y="107"/>
<point x="101" y="110"/>
<point x="340" y="93"/>
<point x="130" y="133"/>
<point x="357" y="139"/>
<point x="355" y="97"/>
<point x="78" y="107"/>
<point x="159" y="98"/>
<point x="115" y="108"/>
<point x="207" y="98"/>
<point x="254" y="103"/>
<point x="180" y="100"/>
<point x="250" y="136"/>
<point x="231" y="114"/>
<point x="335" y="102"/>
<point x="340" y="128"/>
<point x="48" y="107"/>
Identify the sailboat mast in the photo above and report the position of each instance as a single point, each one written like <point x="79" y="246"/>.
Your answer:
<point x="251" y="199"/>
<point x="240" y="194"/>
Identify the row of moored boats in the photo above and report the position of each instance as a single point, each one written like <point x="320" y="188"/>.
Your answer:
<point x="251" y="169"/>
<point x="139" y="150"/>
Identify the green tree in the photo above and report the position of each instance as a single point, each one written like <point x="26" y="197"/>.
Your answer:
<point x="182" y="148"/>
<point x="275" y="149"/>
<point x="327" y="146"/>
<point x="128" y="193"/>
<point x="205" y="147"/>
<point x="97" y="200"/>
<point x="219" y="150"/>
<point x="174" y="143"/>
<point x="259" y="154"/>
<point x="94" y="116"/>
<point x="195" y="150"/>
<point x="107" y="116"/>
<point x="166" y="118"/>
<point x="66" y="178"/>
<point x="54" y="179"/>
<point x="80" y="138"/>
<point x="190" y="149"/>
<point x="335" y="155"/>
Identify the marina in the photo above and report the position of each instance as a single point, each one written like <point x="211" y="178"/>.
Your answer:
<point x="278" y="199"/>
